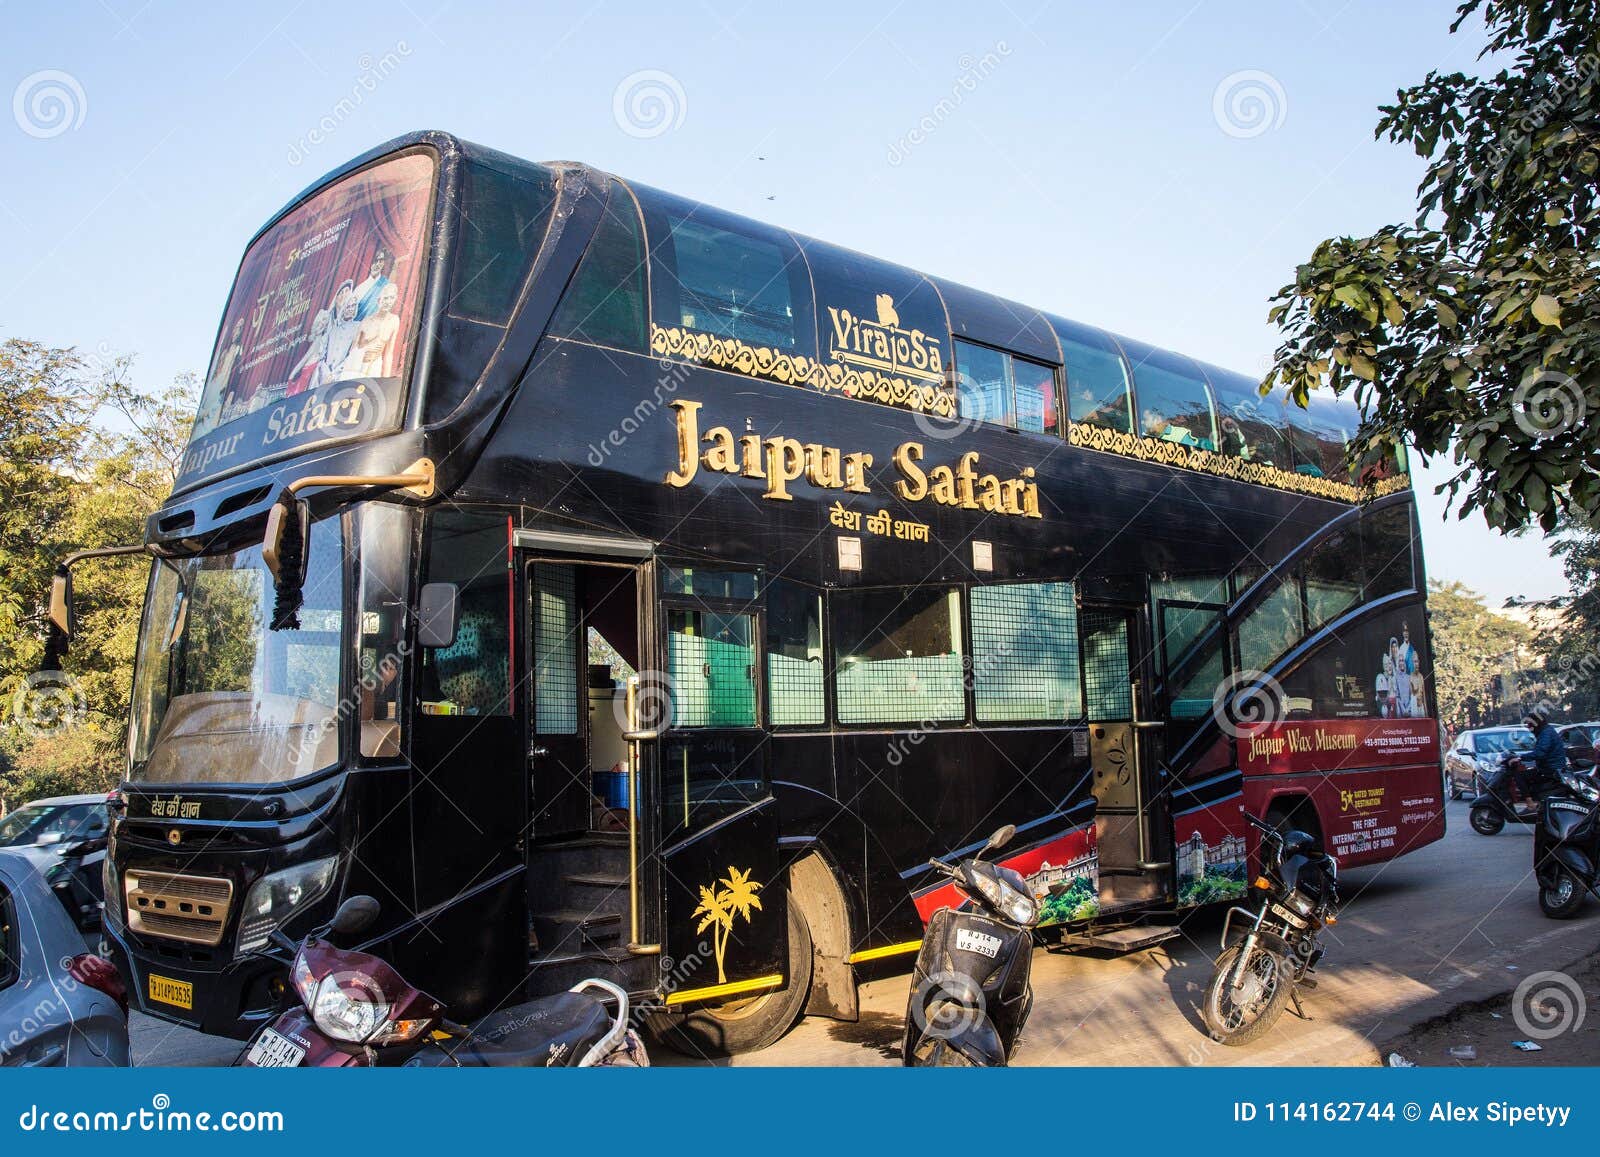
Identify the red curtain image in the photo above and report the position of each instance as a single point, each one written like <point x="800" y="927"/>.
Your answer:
<point x="330" y="294"/>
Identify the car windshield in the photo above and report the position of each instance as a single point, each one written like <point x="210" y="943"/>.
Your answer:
<point x="1500" y="742"/>
<point x="29" y="825"/>
<point x="219" y="696"/>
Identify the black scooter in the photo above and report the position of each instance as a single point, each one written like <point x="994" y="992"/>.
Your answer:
<point x="1500" y="801"/>
<point x="970" y="994"/>
<point x="1566" y="846"/>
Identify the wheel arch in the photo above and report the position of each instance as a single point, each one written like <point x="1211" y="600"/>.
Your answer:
<point x="815" y="886"/>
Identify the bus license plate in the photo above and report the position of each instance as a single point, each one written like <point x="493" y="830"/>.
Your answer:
<point x="273" y="1050"/>
<point x="178" y="993"/>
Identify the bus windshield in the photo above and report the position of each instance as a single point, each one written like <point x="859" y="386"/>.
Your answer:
<point x="318" y="333"/>
<point x="218" y="696"/>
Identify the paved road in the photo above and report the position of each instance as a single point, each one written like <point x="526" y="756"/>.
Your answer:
<point x="1454" y="923"/>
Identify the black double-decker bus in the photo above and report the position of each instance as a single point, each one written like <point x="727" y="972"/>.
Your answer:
<point x="610" y="585"/>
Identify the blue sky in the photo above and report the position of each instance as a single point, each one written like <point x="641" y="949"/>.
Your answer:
<point x="1088" y="159"/>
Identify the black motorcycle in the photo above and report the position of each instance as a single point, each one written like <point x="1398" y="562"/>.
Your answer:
<point x="76" y="879"/>
<point x="1256" y="978"/>
<point x="1566" y="846"/>
<point x="1501" y="800"/>
<point x="970" y="995"/>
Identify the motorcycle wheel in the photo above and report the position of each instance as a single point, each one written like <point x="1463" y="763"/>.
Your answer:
<point x="1486" y="821"/>
<point x="1239" y="1018"/>
<point x="1561" y="900"/>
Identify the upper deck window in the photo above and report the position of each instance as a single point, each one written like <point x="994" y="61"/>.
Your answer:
<point x="1174" y="406"/>
<point x="1318" y="436"/>
<point x="1097" y="386"/>
<point x="325" y="305"/>
<point x="999" y="387"/>
<point x="605" y="304"/>
<point x="499" y="227"/>
<point x="1249" y="426"/>
<point x="738" y="284"/>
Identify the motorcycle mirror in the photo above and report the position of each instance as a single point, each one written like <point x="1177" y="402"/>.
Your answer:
<point x="1000" y="839"/>
<point x="354" y="916"/>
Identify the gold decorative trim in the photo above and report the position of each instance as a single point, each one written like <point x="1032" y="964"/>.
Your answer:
<point x="732" y="988"/>
<point x="735" y="356"/>
<point x="1226" y="466"/>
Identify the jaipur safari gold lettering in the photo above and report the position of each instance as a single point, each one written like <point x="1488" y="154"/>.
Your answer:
<point x="779" y="460"/>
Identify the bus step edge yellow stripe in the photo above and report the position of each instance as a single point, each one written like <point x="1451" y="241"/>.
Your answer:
<point x="887" y="950"/>
<point x="732" y="988"/>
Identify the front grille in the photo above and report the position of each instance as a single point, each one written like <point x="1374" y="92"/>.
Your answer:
<point x="192" y="909"/>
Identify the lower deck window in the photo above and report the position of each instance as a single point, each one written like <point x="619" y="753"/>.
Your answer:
<point x="795" y="691"/>
<point x="899" y="655"/>
<point x="711" y="658"/>
<point x="1025" y="653"/>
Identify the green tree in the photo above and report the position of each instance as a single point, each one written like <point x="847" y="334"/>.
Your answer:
<point x="1475" y="330"/>
<point x="1470" y="646"/>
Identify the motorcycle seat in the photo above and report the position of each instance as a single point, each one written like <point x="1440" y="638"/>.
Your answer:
<point x="552" y="1031"/>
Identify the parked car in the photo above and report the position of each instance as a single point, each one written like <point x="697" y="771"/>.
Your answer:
<point x="59" y="1005"/>
<point x="1580" y="739"/>
<point x="1478" y="752"/>
<point x="65" y="837"/>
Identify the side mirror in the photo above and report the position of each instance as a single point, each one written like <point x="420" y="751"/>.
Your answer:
<point x="354" y="916"/>
<point x="1000" y="839"/>
<point x="438" y="611"/>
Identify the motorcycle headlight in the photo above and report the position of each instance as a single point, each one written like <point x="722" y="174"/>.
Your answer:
<point x="279" y="895"/>
<point x="1301" y="903"/>
<point x="348" y="1010"/>
<point x="1004" y="896"/>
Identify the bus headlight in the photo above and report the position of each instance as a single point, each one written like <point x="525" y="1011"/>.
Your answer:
<point x="279" y="895"/>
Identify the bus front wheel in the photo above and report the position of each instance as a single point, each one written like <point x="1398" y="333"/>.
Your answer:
<point x="744" y="1026"/>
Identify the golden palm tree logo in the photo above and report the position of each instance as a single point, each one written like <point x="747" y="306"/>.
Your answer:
<point x="734" y="896"/>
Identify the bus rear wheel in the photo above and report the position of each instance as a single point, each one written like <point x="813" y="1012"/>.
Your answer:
<point x="750" y="1024"/>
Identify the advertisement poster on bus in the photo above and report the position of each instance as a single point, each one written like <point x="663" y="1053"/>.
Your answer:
<point x="319" y="329"/>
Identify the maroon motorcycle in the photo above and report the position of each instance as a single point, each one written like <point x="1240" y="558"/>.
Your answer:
<point x="356" y="1010"/>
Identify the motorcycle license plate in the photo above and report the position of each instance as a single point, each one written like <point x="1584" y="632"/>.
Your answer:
<point x="1283" y="913"/>
<point x="273" y="1050"/>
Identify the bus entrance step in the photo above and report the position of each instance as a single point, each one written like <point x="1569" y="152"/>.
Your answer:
<point x="1133" y="938"/>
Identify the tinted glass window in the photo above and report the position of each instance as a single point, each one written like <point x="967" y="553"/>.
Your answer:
<point x="499" y="228"/>
<point x="605" y="304"/>
<point x="1333" y="575"/>
<point x="1174" y="407"/>
<point x="999" y="387"/>
<point x="1249" y="426"/>
<point x="1025" y="653"/>
<point x="729" y="284"/>
<point x="1275" y="625"/>
<point x="10" y="940"/>
<point x="711" y="658"/>
<point x="1097" y="386"/>
<point x="1386" y="550"/>
<point x="898" y="655"/>
<point x="983" y="390"/>
<point x="472" y="676"/>
<point x="794" y="656"/>
<point x="709" y="584"/>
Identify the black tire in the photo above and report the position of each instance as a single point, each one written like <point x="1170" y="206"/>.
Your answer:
<point x="1230" y="1026"/>
<point x="1455" y="789"/>
<point x="1485" y="820"/>
<point x="744" y="1026"/>
<point x="1561" y="901"/>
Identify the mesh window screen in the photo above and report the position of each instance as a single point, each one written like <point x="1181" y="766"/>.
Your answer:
<point x="898" y="655"/>
<point x="711" y="658"/>
<point x="1105" y="665"/>
<point x="555" y="650"/>
<point x="1025" y="653"/>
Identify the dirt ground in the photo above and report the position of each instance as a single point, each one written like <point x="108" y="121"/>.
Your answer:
<point x="1488" y="1027"/>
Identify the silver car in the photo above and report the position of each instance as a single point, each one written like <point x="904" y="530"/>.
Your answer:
<point x="1477" y="754"/>
<point x="59" y="1005"/>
